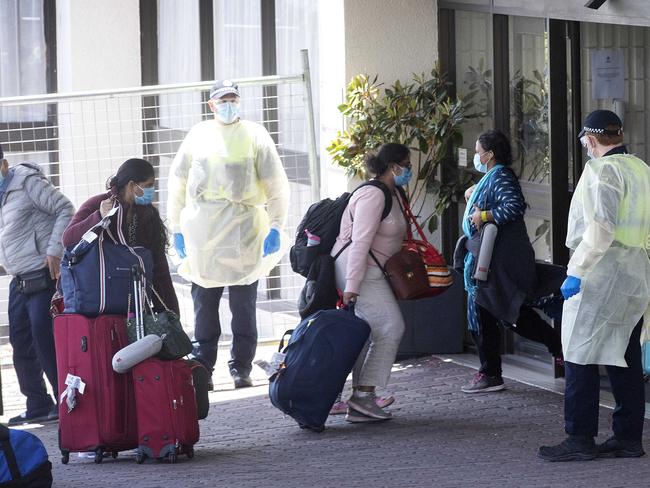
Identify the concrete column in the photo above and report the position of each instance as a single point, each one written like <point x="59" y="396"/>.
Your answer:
<point x="98" y="47"/>
<point x="389" y="38"/>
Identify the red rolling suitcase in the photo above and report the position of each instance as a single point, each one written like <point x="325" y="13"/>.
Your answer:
<point x="166" y="409"/>
<point x="99" y="415"/>
<point x="165" y="399"/>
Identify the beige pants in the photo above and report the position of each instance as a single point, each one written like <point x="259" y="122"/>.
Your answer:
<point x="376" y="305"/>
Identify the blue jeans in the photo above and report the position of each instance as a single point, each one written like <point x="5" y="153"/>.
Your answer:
<point x="207" y="327"/>
<point x="32" y="339"/>
<point x="583" y="388"/>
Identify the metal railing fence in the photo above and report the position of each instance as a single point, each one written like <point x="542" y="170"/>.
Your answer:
<point x="80" y="139"/>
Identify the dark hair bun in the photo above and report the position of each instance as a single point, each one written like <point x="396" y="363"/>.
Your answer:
<point x="390" y="153"/>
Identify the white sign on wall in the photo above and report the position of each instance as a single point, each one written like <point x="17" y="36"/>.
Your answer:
<point x="462" y="157"/>
<point x="607" y="73"/>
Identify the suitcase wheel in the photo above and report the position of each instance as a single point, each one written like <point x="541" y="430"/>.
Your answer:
<point x="140" y="457"/>
<point x="173" y="457"/>
<point x="65" y="457"/>
<point x="99" y="455"/>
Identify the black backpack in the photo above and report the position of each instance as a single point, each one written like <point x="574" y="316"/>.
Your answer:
<point x="323" y="219"/>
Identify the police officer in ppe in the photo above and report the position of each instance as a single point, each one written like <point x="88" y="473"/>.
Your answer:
<point x="606" y="294"/>
<point x="228" y="202"/>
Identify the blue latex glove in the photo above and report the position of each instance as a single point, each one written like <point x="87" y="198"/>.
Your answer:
<point x="179" y="244"/>
<point x="570" y="287"/>
<point x="272" y="242"/>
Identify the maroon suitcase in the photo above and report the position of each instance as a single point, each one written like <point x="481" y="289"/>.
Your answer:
<point x="103" y="418"/>
<point x="166" y="409"/>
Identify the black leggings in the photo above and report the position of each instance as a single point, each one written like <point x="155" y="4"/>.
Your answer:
<point x="529" y="325"/>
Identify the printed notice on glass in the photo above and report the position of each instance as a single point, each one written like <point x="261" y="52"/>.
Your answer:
<point x="462" y="157"/>
<point x="607" y="74"/>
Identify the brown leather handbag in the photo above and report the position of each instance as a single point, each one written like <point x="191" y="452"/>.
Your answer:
<point x="406" y="274"/>
<point x="418" y="270"/>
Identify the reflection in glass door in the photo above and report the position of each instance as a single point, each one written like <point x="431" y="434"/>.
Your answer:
<point x="529" y="123"/>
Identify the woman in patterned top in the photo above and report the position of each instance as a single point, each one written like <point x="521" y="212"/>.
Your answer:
<point x="511" y="282"/>
<point x="133" y="187"/>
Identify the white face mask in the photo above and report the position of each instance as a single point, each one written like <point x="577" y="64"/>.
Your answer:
<point x="228" y="112"/>
<point x="585" y="143"/>
<point x="478" y="165"/>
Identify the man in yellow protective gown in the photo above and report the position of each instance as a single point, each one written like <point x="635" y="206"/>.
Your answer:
<point x="606" y="293"/>
<point x="228" y="202"/>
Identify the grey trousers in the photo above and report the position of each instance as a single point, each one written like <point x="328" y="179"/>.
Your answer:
<point x="377" y="305"/>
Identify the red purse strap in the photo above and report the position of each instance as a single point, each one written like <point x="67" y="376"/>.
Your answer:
<point x="410" y="220"/>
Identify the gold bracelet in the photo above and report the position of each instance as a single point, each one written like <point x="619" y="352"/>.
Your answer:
<point x="484" y="217"/>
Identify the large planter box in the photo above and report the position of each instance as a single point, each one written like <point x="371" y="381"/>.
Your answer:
<point x="434" y="325"/>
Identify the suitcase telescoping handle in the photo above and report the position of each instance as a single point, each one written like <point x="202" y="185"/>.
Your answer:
<point x="138" y="300"/>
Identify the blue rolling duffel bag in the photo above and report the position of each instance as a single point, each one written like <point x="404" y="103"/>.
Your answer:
<point x="320" y="355"/>
<point x="23" y="460"/>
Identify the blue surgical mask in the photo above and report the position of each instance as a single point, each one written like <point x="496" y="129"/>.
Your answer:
<point x="478" y="165"/>
<point x="404" y="177"/>
<point x="147" y="198"/>
<point x="228" y="112"/>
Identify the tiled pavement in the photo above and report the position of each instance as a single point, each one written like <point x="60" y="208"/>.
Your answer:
<point x="438" y="438"/>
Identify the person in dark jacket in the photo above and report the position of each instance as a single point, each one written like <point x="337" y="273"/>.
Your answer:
<point x="512" y="281"/>
<point x="33" y="215"/>
<point x="133" y="187"/>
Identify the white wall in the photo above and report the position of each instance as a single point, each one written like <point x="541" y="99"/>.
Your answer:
<point x="98" y="47"/>
<point x="390" y="38"/>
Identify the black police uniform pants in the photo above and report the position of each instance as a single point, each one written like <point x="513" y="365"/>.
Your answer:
<point x="583" y="388"/>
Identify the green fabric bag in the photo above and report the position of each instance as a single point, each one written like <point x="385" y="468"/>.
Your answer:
<point x="167" y="325"/>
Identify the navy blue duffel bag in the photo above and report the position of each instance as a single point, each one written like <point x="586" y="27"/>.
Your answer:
<point x="96" y="272"/>
<point x="23" y="460"/>
<point x="320" y="355"/>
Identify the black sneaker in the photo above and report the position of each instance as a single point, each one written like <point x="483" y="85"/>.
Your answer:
<point x="482" y="383"/>
<point x="573" y="448"/>
<point x="242" y="381"/>
<point x="25" y="418"/>
<point x="620" y="448"/>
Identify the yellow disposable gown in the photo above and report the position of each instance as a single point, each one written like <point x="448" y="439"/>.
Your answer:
<point x="609" y="231"/>
<point x="227" y="188"/>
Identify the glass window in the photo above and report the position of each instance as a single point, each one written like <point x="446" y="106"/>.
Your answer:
<point x="634" y="106"/>
<point x="474" y="73"/>
<point x="296" y="23"/>
<point x="179" y="60"/>
<point x="238" y="37"/>
<point x="22" y="57"/>
<point x="529" y="124"/>
<point x="474" y="79"/>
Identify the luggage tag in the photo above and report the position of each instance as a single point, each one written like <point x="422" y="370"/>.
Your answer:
<point x="272" y="367"/>
<point x="277" y="360"/>
<point x="73" y="383"/>
<point x="89" y="236"/>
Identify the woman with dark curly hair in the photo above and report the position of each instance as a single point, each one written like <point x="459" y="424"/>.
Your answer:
<point x="133" y="187"/>
<point x="505" y="297"/>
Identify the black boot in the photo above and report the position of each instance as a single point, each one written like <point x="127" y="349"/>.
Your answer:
<point x="614" y="447"/>
<point x="573" y="448"/>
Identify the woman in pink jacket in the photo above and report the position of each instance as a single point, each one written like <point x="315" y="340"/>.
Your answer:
<point x="362" y="281"/>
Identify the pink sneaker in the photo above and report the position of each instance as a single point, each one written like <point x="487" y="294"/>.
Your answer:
<point x="340" y="408"/>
